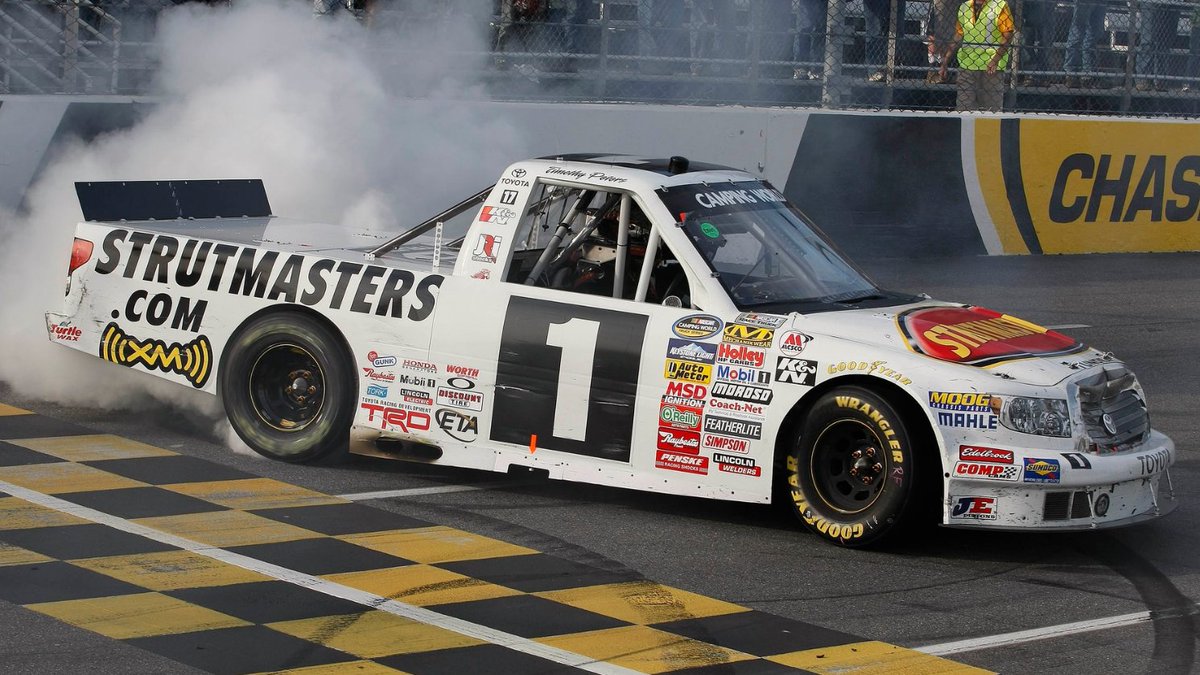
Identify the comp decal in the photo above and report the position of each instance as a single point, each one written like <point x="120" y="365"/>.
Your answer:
<point x="249" y="271"/>
<point x="979" y="337"/>
<point x="192" y="360"/>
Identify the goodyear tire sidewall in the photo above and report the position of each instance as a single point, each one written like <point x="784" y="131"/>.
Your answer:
<point x="328" y="433"/>
<point x="886" y="513"/>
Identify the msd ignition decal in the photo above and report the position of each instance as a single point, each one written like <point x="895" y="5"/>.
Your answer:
<point x="973" y="508"/>
<point x="752" y="336"/>
<point x="685" y="394"/>
<point x="697" y="326"/>
<point x="979" y="453"/>
<point x="736" y="464"/>
<point x="796" y="371"/>
<point x="965" y="410"/>
<point x="65" y="332"/>
<point x="487" y="247"/>
<point x="499" y="216"/>
<point x="459" y="426"/>
<point x="1005" y="472"/>
<point x="740" y="355"/>
<point x="762" y="320"/>
<point x="1042" y="470"/>
<point x="687" y="350"/>
<point x="678" y="440"/>
<point x="979" y="337"/>
<point x="273" y="275"/>
<point x="192" y="360"/>
<point x="793" y="342"/>
<point x="396" y="419"/>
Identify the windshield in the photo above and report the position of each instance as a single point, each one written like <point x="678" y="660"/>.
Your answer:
<point x="761" y="249"/>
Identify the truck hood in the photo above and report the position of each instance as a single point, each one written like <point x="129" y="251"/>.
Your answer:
<point x="973" y="337"/>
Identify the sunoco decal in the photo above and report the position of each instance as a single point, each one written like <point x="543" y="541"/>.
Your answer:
<point x="1042" y="470"/>
<point x="979" y="337"/>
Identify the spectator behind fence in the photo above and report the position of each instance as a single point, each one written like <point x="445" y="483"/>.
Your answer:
<point x="878" y="15"/>
<point x="662" y="34"/>
<point x="982" y="36"/>
<point x="714" y="35"/>
<point x="517" y="33"/>
<point x="1087" y="23"/>
<point x="808" y="47"/>
<point x="358" y="8"/>
<point x="1037" y="39"/>
<point x="1193" y="67"/>
<point x="1158" y="25"/>
<point x="942" y="21"/>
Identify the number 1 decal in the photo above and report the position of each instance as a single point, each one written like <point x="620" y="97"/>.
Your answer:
<point x="569" y="375"/>
<point x="577" y="340"/>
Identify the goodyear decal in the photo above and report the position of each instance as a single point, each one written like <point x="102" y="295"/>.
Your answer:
<point x="979" y="337"/>
<point x="192" y="360"/>
<point x="1076" y="186"/>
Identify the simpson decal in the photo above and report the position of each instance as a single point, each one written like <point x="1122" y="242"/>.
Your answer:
<point x="979" y="337"/>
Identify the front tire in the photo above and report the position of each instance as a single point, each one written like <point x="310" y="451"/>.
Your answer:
<point x="288" y="387"/>
<point x="850" y="468"/>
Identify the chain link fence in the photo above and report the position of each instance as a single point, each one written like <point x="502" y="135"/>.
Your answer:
<point x="1122" y="57"/>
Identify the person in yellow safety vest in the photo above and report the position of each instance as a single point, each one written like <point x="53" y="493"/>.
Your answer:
<point x="985" y="29"/>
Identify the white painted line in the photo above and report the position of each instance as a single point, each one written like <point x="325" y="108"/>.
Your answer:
<point x="415" y="492"/>
<point x="979" y="209"/>
<point x="383" y="604"/>
<point x="1065" y="326"/>
<point x="1018" y="637"/>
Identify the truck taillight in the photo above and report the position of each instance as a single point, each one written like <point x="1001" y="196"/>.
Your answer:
<point x="81" y="252"/>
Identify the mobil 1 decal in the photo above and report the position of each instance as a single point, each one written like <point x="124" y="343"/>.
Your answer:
<point x="568" y="376"/>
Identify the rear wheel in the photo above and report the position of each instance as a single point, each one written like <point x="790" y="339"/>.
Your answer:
<point x="850" y="468"/>
<point x="288" y="387"/>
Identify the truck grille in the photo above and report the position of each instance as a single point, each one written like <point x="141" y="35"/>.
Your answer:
<point x="1113" y="413"/>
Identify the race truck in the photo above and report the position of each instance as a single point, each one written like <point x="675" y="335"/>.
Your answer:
<point x="655" y="324"/>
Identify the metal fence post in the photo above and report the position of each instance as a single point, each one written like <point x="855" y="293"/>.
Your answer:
<point x="835" y="39"/>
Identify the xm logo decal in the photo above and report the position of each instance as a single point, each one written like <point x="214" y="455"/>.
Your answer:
<point x="192" y="360"/>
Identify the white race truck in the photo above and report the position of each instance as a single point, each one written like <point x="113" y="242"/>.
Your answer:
<point x="651" y="324"/>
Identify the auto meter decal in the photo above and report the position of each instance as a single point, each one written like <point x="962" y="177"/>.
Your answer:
<point x="979" y="337"/>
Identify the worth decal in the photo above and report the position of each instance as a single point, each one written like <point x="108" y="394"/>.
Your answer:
<point x="979" y="337"/>
<point x="192" y="360"/>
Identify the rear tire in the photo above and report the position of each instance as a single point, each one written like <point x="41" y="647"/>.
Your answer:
<point x="850" y="469"/>
<point x="288" y="387"/>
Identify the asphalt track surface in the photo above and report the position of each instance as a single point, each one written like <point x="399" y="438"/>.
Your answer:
<point x="945" y="587"/>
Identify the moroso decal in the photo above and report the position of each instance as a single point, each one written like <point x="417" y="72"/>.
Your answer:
<point x="697" y="326"/>
<point x="248" y="271"/>
<point x="979" y="337"/>
<point x="192" y="360"/>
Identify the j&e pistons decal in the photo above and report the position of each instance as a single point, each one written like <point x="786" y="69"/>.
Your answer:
<point x="192" y="360"/>
<point x="979" y="337"/>
<point x="248" y="271"/>
<point x="698" y="326"/>
<point x="1042" y="470"/>
<point x="973" y="508"/>
<point x="1005" y="472"/>
<point x="753" y="336"/>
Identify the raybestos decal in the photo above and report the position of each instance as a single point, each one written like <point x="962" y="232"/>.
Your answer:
<point x="979" y="337"/>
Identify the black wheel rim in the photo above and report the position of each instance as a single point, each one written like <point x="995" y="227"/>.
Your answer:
<point x="849" y="466"/>
<point x="287" y="387"/>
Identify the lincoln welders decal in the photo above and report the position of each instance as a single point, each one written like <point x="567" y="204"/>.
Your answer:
<point x="312" y="281"/>
<point x="192" y="360"/>
<point x="979" y="337"/>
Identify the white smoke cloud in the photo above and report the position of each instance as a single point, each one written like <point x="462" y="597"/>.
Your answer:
<point x="345" y="125"/>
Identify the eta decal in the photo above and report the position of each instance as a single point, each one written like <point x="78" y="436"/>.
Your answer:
<point x="457" y="425"/>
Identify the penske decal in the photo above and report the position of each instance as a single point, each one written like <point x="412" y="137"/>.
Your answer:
<point x="979" y="337"/>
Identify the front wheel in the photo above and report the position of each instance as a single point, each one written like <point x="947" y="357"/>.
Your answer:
<point x="288" y="387"/>
<point x="850" y="469"/>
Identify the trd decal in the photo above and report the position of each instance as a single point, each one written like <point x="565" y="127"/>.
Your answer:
<point x="192" y="360"/>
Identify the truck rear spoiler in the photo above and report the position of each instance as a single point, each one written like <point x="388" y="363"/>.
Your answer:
<point x="173" y="199"/>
